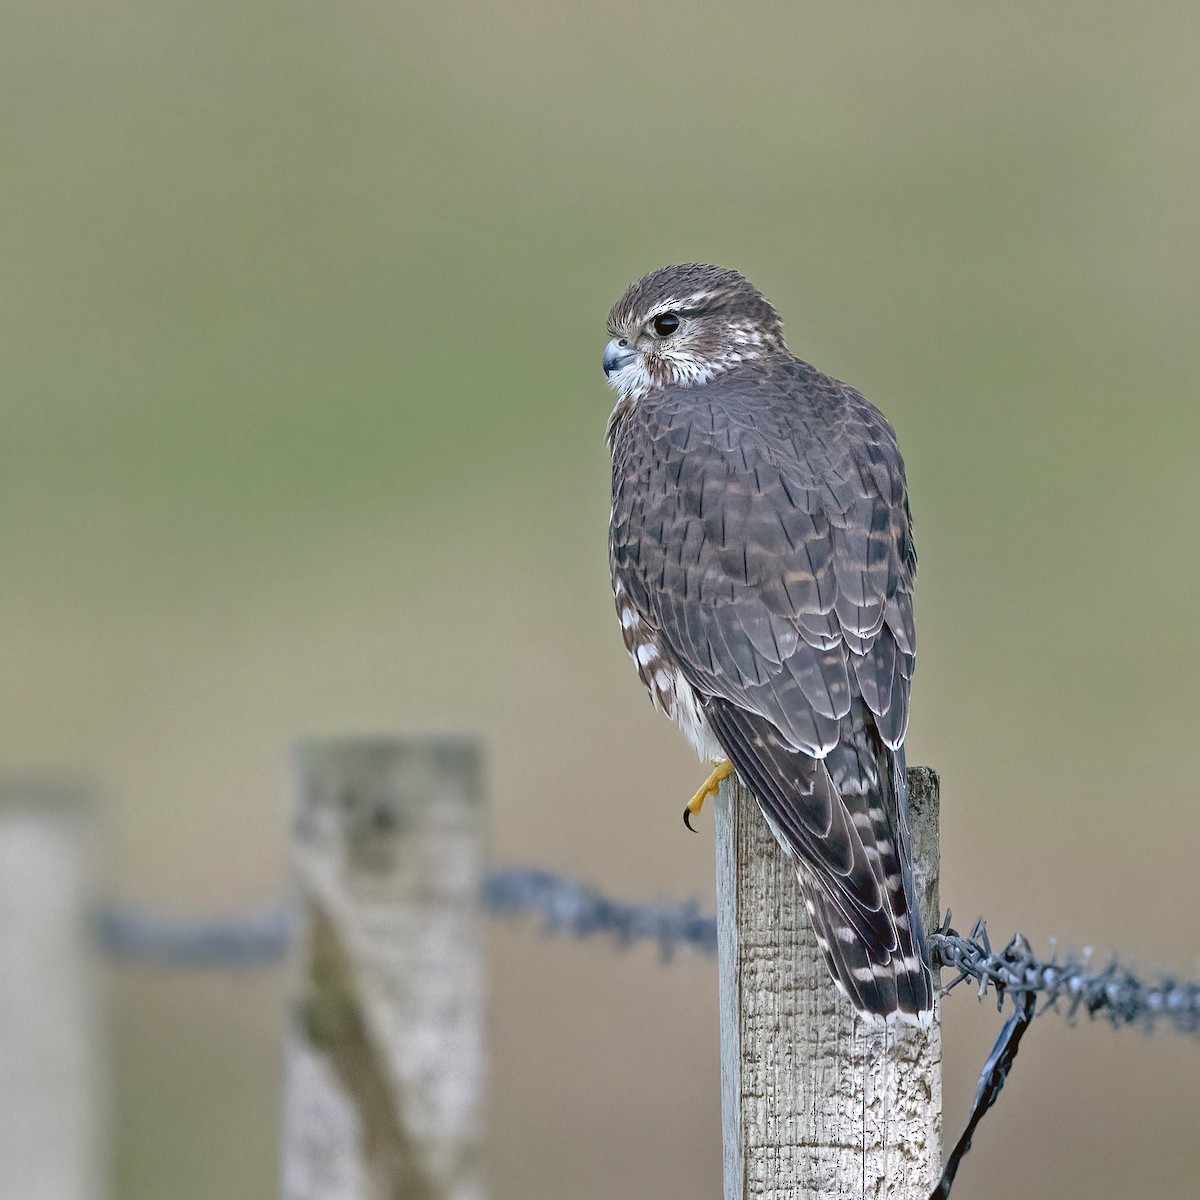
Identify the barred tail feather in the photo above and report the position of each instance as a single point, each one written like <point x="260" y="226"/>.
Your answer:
<point x="896" y="984"/>
<point x="870" y="778"/>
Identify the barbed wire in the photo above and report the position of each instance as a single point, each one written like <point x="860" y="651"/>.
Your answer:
<point x="991" y="1080"/>
<point x="581" y="911"/>
<point x="1071" y="985"/>
<point x="1114" y="993"/>
<point x="134" y="934"/>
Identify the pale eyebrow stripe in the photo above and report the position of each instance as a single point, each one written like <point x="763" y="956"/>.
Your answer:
<point x="679" y="312"/>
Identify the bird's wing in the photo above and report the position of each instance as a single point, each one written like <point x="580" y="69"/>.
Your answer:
<point x="760" y="525"/>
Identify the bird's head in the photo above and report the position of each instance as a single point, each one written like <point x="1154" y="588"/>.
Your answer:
<point x="682" y="326"/>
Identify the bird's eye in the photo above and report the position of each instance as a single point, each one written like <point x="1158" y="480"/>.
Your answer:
<point x="665" y="324"/>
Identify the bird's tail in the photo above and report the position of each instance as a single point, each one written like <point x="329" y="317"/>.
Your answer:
<point x="879" y="980"/>
<point x="880" y="986"/>
<point x="842" y="822"/>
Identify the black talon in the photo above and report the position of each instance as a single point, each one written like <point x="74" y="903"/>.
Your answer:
<point x="687" y="819"/>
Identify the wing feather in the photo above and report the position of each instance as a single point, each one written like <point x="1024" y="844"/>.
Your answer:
<point x="775" y="552"/>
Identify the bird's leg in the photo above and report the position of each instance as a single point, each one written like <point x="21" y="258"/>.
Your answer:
<point x="696" y="803"/>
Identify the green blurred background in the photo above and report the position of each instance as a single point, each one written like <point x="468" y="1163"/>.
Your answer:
<point x="302" y="315"/>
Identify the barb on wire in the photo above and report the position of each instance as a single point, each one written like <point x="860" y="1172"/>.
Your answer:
<point x="1072" y="987"/>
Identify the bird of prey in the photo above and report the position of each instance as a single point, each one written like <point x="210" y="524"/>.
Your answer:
<point x="762" y="562"/>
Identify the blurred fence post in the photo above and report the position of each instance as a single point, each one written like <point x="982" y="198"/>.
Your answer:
<point x="814" y="1102"/>
<point x="51" y="1057"/>
<point x="383" y="1092"/>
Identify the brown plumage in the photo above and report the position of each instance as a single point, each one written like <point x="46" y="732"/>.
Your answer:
<point x="762" y="562"/>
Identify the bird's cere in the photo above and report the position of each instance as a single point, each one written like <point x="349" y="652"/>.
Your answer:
<point x="617" y="357"/>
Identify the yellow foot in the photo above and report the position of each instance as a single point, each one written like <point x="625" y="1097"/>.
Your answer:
<point x="696" y="803"/>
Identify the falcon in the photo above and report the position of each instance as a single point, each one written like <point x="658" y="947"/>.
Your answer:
<point x="762" y="562"/>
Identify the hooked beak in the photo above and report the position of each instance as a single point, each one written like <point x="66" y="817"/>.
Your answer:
<point x="617" y="357"/>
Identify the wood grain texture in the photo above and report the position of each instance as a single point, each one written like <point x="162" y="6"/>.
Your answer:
<point x="815" y="1102"/>
<point x="384" y="1073"/>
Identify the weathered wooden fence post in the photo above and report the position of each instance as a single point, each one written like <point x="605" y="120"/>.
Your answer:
<point x="814" y="1102"/>
<point x="51" y="1043"/>
<point x="383" y="1092"/>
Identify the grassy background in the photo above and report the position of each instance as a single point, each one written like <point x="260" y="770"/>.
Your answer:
<point x="302" y="309"/>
